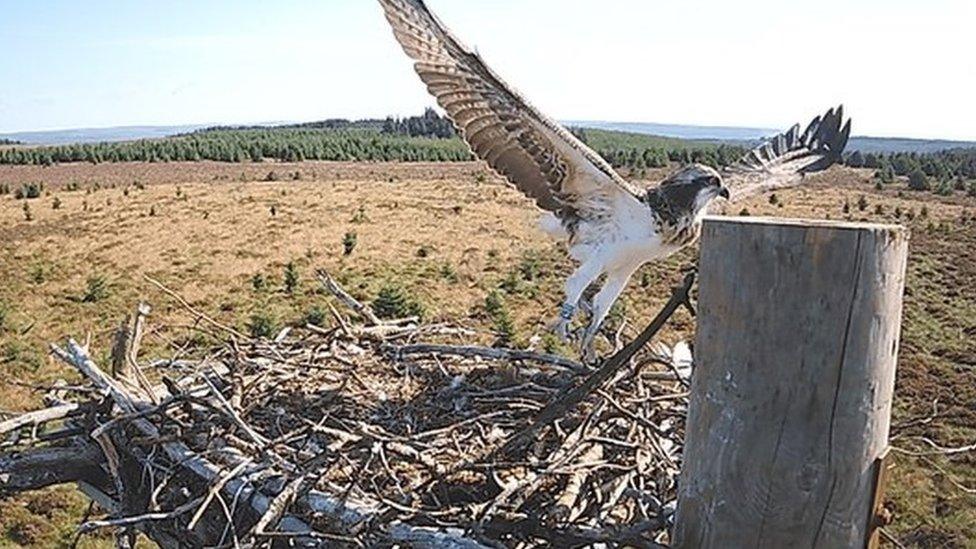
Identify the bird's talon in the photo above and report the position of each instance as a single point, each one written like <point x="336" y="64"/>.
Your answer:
<point x="561" y="329"/>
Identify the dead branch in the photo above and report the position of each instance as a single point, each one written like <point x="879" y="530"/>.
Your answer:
<point x="39" y="468"/>
<point x="39" y="417"/>
<point x="349" y="301"/>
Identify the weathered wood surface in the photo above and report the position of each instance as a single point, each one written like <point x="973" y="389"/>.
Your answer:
<point x="49" y="466"/>
<point x="791" y="396"/>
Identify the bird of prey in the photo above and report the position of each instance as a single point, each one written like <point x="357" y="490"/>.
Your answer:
<point x="612" y="227"/>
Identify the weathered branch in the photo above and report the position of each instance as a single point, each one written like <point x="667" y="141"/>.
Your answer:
<point x="38" y="417"/>
<point x="38" y="468"/>
<point x="333" y="287"/>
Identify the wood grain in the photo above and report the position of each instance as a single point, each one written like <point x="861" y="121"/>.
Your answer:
<point x="791" y="397"/>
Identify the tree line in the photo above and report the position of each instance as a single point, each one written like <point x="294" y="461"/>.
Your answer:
<point x="432" y="138"/>
<point x="252" y="145"/>
<point x="940" y="165"/>
<point x="943" y="172"/>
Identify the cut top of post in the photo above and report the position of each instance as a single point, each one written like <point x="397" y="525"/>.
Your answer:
<point x="898" y="230"/>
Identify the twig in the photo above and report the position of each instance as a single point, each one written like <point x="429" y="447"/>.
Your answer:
<point x="199" y="315"/>
<point x="138" y="519"/>
<point x="214" y="490"/>
<point x="278" y="507"/>
<point x="560" y="406"/>
<point x="493" y="353"/>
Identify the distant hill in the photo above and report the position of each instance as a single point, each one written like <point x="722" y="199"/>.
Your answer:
<point x="97" y="135"/>
<point x="898" y="144"/>
<point x="741" y="136"/>
<point x="679" y="131"/>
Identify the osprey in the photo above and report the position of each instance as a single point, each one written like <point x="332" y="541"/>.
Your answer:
<point x="611" y="226"/>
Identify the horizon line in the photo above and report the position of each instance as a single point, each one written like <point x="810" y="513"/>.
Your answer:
<point x="565" y="122"/>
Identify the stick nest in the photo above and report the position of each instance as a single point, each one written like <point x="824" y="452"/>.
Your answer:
<point x="361" y="436"/>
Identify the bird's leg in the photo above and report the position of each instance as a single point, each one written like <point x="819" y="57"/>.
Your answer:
<point x="575" y="286"/>
<point x="616" y="282"/>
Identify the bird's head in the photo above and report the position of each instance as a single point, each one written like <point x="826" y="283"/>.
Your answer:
<point x="694" y="187"/>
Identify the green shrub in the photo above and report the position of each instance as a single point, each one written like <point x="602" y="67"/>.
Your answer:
<point x="646" y="278"/>
<point x="862" y="203"/>
<point x="315" y="316"/>
<point x="530" y="266"/>
<point x="38" y="274"/>
<point x="512" y="283"/>
<point x="918" y="181"/>
<point x="56" y="204"/>
<point x="944" y="188"/>
<point x="17" y="353"/>
<point x="96" y="289"/>
<point x="259" y="283"/>
<point x="501" y="319"/>
<point x="494" y="303"/>
<point x="504" y="328"/>
<point x="262" y="325"/>
<point x="448" y="273"/>
<point x="27" y="212"/>
<point x="291" y="278"/>
<point x="28" y="191"/>
<point x="885" y="175"/>
<point x="393" y="302"/>
<point x="349" y="243"/>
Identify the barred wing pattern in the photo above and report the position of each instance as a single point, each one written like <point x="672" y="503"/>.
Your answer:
<point x="537" y="155"/>
<point x="783" y="160"/>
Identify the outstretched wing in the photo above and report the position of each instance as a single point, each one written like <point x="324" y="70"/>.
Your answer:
<point x="783" y="160"/>
<point x="540" y="157"/>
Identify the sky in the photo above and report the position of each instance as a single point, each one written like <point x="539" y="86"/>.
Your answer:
<point x="901" y="67"/>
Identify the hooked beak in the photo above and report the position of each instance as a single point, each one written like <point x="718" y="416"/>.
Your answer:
<point x="724" y="193"/>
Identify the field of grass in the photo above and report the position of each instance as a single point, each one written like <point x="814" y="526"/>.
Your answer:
<point x="74" y="261"/>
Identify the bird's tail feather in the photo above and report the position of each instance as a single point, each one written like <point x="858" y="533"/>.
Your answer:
<point x="552" y="226"/>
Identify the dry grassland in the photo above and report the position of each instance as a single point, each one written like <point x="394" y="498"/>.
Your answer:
<point x="449" y="235"/>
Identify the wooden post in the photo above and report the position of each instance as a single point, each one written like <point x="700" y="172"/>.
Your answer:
<point x="795" y="355"/>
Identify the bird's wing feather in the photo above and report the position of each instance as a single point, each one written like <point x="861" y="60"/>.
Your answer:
<point x="783" y="160"/>
<point x="540" y="157"/>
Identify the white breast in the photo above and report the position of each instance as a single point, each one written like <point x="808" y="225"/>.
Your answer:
<point x="627" y="237"/>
